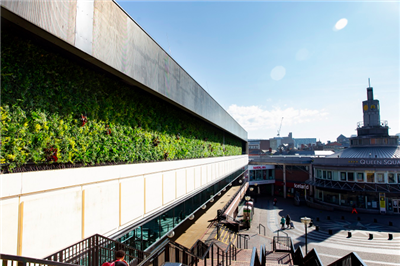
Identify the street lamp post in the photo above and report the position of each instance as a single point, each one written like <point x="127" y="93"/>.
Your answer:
<point x="306" y="221"/>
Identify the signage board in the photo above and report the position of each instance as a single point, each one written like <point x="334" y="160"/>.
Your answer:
<point x="382" y="202"/>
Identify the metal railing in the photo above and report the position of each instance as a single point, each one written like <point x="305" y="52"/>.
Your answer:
<point x="12" y="260"/>
<point x="312" y="259"/>
<point x="282" y="243"/>
<point x="259" y="229"/>
<point x="169" y="251"/>
<point x="242" y="239"/>
<point x="351" y="259"/>
<point x="95" y="250"/>
<point x="258" y="259"/>
<point x="213" y="251"/>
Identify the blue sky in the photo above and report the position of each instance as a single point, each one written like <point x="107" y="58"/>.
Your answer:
<point x="264" y="60"/>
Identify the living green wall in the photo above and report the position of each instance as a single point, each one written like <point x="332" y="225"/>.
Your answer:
<point x="55" y="110"/>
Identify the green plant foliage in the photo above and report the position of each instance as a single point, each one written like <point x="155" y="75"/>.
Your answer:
<point x="45" y="96"/>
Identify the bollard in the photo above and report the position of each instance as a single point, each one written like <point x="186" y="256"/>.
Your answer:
<point x="390" y="237"/>
<point x="371" y="236"/>
<point x="330" y="232"/>
<point x="342" y="217"/>
<point x="317" y="228"/>
<point x="348" y="234"/>
<point x="317" y="219"/>
<point x="375" y="220"/>
<point x="328" y="217"/>
<point x="359" y="218"/>
<point x="390" y="224"/>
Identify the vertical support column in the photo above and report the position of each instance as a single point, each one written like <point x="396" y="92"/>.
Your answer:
<point x="20" y="228"/>
<point x="310" y="177"/>
<point x="284" y="181"/>
<point x="120" y="204"/>
<point x="366" y="202"/>
<point x="144" y="194"/>
<point x="340" y="199"/>
<point x="83" y="215"/>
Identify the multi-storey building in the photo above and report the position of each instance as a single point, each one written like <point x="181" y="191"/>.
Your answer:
<point x="366" y="175"/>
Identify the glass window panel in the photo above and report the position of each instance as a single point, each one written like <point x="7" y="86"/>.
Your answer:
<point x="380" y="177"/>
<point x="324" y="174"/>
<point x="343" y="176"/>
<point x="350" y="176"/>
<point x="360" y="177"/>
<point x="370" y="177"/>
<point x="329" y="174"/>
<point x="391" y="178"/>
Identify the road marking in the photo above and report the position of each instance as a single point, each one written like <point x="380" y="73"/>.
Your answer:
<point x="369" y="261"/>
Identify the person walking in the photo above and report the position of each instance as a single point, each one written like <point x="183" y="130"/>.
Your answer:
<point x="275" y="201"/>
<point x="354" y="209"/>
<point x="283" y="222"/>
<point x="288" y="221"/>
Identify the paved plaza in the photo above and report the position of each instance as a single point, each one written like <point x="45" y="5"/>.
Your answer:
<point x="376" y="251"/>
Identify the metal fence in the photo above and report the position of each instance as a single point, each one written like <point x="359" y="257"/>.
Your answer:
<point x="12" y="260"/>
<point x="95" y="250"/>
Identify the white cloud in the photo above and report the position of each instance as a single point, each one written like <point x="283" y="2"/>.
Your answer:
<point x="253" y="118"/>
<point x="340" y="24"/>
<point x="278" y="72"/>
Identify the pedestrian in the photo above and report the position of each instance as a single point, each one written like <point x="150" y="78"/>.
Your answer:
<point x="283" y="222"/>
<point x="288" y="220"/>
<point x="120" y="256"/>
<point x="291" y="225"/>
<point x="119" y="260"/>
<point x="354" y="209"/>
<point x="275" y="200"/>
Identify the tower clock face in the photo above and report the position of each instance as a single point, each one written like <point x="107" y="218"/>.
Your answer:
<point x="372" y="106"/>
<point x="365" y="107"/>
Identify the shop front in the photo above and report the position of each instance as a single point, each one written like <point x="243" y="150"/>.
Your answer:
<point x="292" y="189"/>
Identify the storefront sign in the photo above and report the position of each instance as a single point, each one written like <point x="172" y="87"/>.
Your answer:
<point x="381" y="162"/>
<point x="260" y="167"/>
<point x="301" y="186"/>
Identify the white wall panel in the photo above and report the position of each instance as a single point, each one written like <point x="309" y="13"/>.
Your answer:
<point x="197" y="176"/>
<point x="101" y="207"/>
<point x="51" y="221"/>
<point x="169" y="187"/>
<point x="204" y="180"/>
<point x="11" y="184"/>
<point x="132" y="198"/>
<point x="180" y="183"/>
<point x="9" y="226"/>
<point x="154" y="192"/>
<point x="189" y="180"/>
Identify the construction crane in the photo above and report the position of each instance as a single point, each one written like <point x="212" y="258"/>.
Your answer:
<point x="279" y="131"/>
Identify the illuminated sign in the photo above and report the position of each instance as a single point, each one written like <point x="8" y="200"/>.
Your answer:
<point x="301" y="186"/>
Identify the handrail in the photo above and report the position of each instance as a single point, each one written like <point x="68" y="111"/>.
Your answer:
<point x="172" y="252"/>
<point x="259" y="229"/>
<point x="26" y="260"/>
<point x="312" y="258"/>
<point x="245" y="238"/>
<point x="95" y="250"/>
<point x="350" y="259"/>
<point x="233" y="197"/>
<point x="258" y="259"/>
